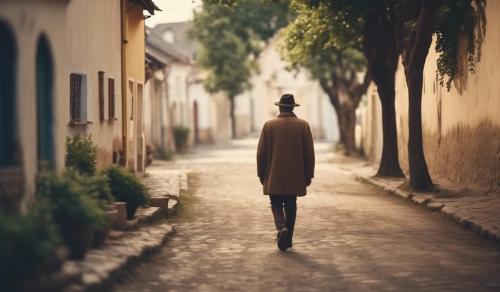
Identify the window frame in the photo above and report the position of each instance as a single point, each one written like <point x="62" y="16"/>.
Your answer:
<point x="81" y="118"/>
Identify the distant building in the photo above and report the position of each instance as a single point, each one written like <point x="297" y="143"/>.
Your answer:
<point x="189" y="104"/>
<point x="133" y="79"/>
<point x="256" y="106"/>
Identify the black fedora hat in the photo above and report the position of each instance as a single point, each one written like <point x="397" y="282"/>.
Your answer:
<point x="287" y="100"/>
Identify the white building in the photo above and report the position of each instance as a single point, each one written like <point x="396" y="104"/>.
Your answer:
<point x="256" y="106"/>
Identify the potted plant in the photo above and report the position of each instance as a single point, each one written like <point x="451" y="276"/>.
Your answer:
<point x="29" y="247"/>
<point x="181" y="135"/>
<point x="81" y="154"/>
<point x="126" y="187"/>
<point x="98" y="186"/>
<point x="75" y="209"/>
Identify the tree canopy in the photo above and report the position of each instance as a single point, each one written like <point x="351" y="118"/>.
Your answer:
<point x="307" y="45"/>
<point x="231" y="35"/>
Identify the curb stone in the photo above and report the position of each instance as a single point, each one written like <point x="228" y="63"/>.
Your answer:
<point x="102" y="267"/>
<point x="431" y="203"/>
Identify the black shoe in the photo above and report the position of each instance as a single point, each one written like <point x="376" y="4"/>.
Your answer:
<point x="282" y="239"/>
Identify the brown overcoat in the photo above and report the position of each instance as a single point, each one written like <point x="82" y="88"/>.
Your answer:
<point x="285" y="155"/>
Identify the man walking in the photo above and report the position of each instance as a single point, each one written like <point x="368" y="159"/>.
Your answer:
<point x="285" y="165"/>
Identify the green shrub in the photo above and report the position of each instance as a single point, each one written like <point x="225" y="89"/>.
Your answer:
<point x="181" y="135"/>
<point x="98" y="186"/>
<point x="27" y="245"/>
<point x="81" y="154"/>
<point x="126" y="187"/>
<point x="73" y="203"/>
<point x="162" y="153"/>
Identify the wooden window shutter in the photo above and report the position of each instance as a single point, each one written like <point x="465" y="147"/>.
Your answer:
<point x="75" y="96"/>
<point x="101" y="96"/>
<point x="111" y="99"/>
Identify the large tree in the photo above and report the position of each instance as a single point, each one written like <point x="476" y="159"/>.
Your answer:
<point x="390" y="28"/>
<point x="452" y="21"/>
<point x="231" y="35"/>
<point x="306" y="45"/>
<point x="371" y="27"/>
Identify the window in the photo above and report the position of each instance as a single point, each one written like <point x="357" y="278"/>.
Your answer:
<point x="78" y="98"/>
<point x="131" y="94"/>
<point x="111" y="99"/>
<point x="101" y="95"/>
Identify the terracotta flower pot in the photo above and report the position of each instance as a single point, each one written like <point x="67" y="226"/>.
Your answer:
<point x="131" y="209"/>
<point x="121" y="216"/>
<point x="101" y="234"/>
<point x="160" y="202"/>
<point x="79" y="240"/>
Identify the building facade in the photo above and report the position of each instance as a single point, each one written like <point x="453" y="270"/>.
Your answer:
<point x="256" y="106"/>
<point x="65" y="62"/>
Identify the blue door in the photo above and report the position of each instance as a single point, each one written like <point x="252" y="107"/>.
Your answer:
<point x="44" y="94"/>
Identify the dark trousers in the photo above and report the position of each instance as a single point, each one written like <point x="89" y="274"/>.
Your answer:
<point x="284" y="209"/>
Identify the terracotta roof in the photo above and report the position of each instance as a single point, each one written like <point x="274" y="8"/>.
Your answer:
<point x="148" y="5"/>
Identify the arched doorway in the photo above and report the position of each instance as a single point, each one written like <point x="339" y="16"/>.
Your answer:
<point x="45" y="102"/>
<point x="9" y="150"/>
<point x="196" y="122"/>
<point x="11" y="171"/>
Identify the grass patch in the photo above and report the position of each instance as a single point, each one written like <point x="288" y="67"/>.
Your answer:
<point x="187" y="199"/>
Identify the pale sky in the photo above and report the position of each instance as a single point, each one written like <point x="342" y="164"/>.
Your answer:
<point x="173" y="11"/>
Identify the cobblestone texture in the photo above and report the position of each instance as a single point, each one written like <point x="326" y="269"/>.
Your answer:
<point x="474" y="209"/>
<point x="349" y="236"/>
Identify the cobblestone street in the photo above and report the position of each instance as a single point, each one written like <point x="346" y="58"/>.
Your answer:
<point x="349" y="237"/>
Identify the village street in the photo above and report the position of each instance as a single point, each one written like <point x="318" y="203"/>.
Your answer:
<point x="349" y="237"/>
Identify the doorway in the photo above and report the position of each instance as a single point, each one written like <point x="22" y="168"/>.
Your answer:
<point x="139" y="129"/>
<point x="196" y="123"/>
<point x="9" y="150"/>
<point x="44" y="102"/>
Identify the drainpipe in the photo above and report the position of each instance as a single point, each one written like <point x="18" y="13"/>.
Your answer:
<point x="123" y="31"/>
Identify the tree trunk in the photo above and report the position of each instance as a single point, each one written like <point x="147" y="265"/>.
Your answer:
<point x="416" y="48"/>
<point x="389" y="162"/>
<point x="233" y="119"/>
<point x="346" y="114"/>
<point x="381" y="50"/>
<point x="420" y="179"/>
<point x="347" y="126"/>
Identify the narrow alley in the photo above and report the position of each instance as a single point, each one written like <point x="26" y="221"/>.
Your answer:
<point x="349" y="237"/>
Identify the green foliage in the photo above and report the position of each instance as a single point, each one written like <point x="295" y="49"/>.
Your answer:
<point x="309" y="43"/>
<point x="98" y="186"/>
<point x="81" y="154"/>
<point x="126" y="187"/>
<point x="181" y="135"/>
<point x="456" y="21"/>
<point x="231" y="35"/>
<point x="72" y="200"/>
<point x="162" y="153"/>
<point x="27" y="245"/>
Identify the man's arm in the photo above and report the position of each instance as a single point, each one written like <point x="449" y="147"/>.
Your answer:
<point x="262" y="155"/>
<point x="308" y="154"/>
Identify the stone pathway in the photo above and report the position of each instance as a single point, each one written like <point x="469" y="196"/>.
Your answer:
<point x="473" y="208"/>
<point x="350" y="236"/>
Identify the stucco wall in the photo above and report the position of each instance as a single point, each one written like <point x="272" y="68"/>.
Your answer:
<point x="461" y="128"/>
<point x="135" y="41"/>
<point x="93" y="36"/>
<point x="29" y="20"/>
